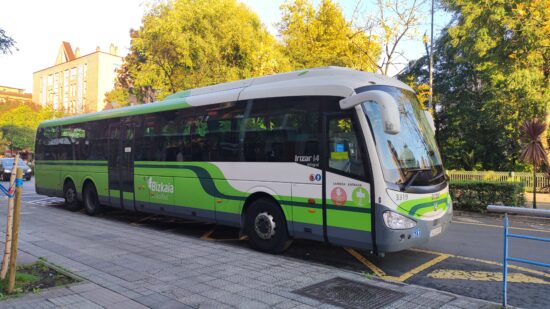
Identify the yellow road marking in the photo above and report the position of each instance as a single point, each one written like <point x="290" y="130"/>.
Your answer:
<point x="375" y="269"/>
<point x="422" y="267"/>
<point x="141" y="220"/>
<point x="206" y="236"/>
<point x="525" y="269"/>
<point x="483" y="276"/>
<point x="500" y="226"/>
<point x="380" y="273"/>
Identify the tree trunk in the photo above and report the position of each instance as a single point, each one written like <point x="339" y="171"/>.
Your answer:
<point x="534" y="186"/>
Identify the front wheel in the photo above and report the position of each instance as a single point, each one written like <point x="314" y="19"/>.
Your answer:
<point x="91" y="201"/>
<point x="265" y="226"/>
<point x="71" y="199"/>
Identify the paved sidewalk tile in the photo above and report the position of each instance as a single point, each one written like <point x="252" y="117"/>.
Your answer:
<point x="128" y="266"/>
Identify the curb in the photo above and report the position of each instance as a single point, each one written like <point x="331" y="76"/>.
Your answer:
<point x="519" y="218"/>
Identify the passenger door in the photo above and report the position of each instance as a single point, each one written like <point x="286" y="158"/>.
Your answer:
<point x="121" y="165"/>
<point x="347" y="207"/>
<point x="126" y="168"/>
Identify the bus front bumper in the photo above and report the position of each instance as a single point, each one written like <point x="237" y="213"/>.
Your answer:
<point x="390" y="240"/>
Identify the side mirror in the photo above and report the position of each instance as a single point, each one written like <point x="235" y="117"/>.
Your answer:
<point x="389" y="109"/>
<point x="430" y="120"/>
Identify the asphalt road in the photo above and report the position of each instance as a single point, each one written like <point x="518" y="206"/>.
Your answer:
<point x="465" y="260"/>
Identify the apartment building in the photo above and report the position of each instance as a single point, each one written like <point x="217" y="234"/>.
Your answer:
<point x="77" y="84"/>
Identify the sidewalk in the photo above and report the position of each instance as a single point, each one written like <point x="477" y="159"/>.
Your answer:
<point x="128" y="266"/>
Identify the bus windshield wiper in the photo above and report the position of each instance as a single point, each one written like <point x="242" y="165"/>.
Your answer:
<point x="439" y="175"/>
<point x="410" y="179"/>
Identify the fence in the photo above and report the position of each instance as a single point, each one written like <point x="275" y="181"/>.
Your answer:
<point x="526" y="178"/>
<point x="543" y="213"/>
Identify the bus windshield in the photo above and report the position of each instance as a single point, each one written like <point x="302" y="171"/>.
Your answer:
<point x="410" y="157"/>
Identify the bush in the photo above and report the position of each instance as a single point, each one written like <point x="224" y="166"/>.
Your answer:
<point x="476" y="195"/>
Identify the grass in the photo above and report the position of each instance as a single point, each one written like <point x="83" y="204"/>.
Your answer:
<point x="33" y="278"/>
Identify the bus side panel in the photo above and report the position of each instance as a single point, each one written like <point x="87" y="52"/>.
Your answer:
<point x="180" y="189"/>
<point x="308" y="217"/>
<point x="80" y="171"/>
<point x="279" y="191"/>
<point x="48" y="179"/>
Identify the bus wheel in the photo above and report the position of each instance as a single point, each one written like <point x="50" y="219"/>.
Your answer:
<point x="91" y="201"/>
<point x="265" y="226"/>
<point x="71" y="199"/>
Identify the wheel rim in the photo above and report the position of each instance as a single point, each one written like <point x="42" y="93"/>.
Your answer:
<point x="70" y="195"/>
<point x="264" y="225"/>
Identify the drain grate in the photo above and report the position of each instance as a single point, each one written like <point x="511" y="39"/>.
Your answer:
<point x="350" y="294"/>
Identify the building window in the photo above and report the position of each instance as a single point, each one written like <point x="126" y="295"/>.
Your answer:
<point x="66" y="91"/>
<point x="79" y="89"/>
<point x="56" y="91"/>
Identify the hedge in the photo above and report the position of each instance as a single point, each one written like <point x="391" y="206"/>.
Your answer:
<point x="476" y="195"/>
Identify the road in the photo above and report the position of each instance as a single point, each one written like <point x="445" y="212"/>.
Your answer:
<point x="465" y="260"/>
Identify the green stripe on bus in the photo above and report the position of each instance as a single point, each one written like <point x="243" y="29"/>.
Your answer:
<point x="167" y="105"/>
<point x="418" y="207"/>
<point x="207" y="172"/>
<point x="71" y="163"/>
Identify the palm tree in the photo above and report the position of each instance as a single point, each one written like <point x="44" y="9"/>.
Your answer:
<point x="533" y="152"/>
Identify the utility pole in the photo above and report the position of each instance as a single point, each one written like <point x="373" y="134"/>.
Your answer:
<point x="430" y="102"/>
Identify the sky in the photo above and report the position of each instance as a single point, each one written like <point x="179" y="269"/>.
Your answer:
<point x="39" y="27"/>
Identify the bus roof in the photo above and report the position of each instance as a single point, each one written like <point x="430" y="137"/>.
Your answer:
<point x="326" y="81"/>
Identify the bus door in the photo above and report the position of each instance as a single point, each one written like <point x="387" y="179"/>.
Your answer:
<point x="347" y="208"/>
<point x="121" y="166"/>
<point x="126" y="168"/>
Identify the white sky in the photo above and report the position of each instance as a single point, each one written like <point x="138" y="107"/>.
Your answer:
<point x="40" y="26"/>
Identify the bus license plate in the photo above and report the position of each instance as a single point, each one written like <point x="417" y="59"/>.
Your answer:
<point x="435" y="231"/>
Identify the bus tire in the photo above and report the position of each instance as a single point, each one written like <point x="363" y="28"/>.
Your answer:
<point x="266" y="227"/>
<point x="71" y="199"/>
<point x="91" y="201"/>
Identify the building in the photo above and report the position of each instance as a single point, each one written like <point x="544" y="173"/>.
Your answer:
<point x="77" y="84"/>
<point x="10" y="94"/>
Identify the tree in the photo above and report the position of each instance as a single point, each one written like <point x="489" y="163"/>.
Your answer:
<point x="533" y="152"/>
<point x="6" y="42"/>
<point x="482" y="88"/>
<point x="18" y="124"/>
<point x="508" y="43"/>
<point x="322" y="37"/>
<point x="19" y="138"/>
<point x="185" y="44"/>
<point x="393" y="22"/>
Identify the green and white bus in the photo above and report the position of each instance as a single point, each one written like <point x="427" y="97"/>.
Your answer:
<point x="328" y="154"/>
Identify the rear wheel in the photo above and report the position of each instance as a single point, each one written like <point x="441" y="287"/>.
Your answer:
<point x="71" y="199"/>
<point x="266" y="227"/>
<point x="91" y="201"/>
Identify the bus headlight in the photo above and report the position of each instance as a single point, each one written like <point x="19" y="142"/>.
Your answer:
<point x="396" y="221"/>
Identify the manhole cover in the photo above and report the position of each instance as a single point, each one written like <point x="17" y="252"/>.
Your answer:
<point x="350" y="294"/>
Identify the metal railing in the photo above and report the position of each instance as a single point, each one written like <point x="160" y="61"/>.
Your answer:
<point x="518" y="211"/>
<point x="525" y="177"/>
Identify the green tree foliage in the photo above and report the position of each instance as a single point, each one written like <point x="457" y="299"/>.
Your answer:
<point x="322" y="37"/>
<point x="6" y="43"/>
<point x="18" y="138"/>
<point x="18" y="124"/>
<point x="490" y="76"/>
<point x="184" y="44"/>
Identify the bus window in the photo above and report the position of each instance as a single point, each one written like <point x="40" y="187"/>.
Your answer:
<point x="283" y="130"/>
<point x="344" y="150"/>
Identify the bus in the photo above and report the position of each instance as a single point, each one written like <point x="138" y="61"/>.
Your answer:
<point x="329" y="154"/>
